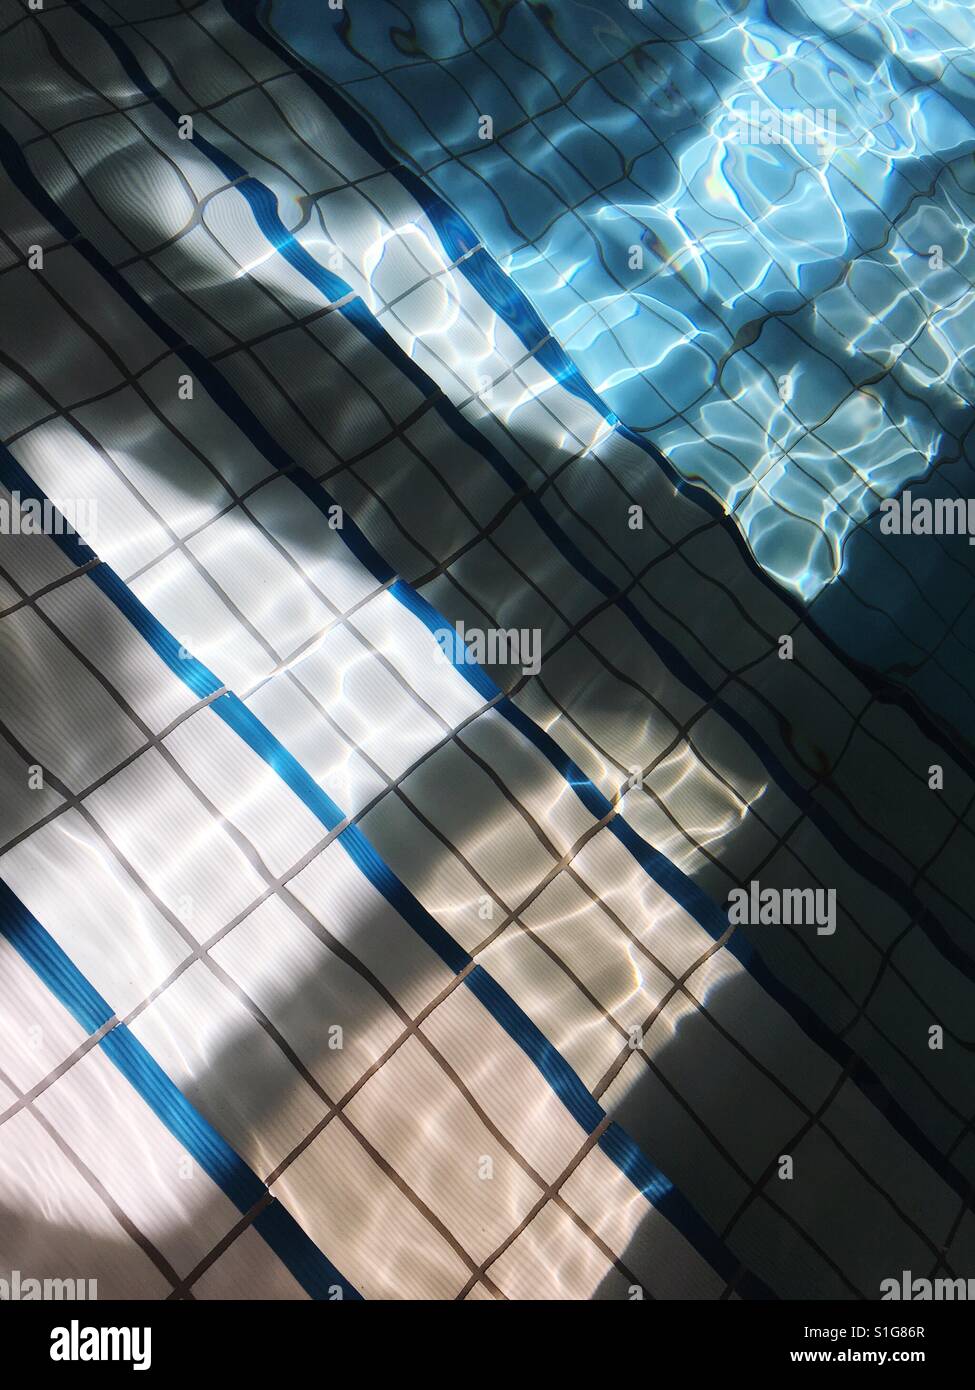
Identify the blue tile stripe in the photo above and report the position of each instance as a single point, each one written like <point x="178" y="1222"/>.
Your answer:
<point x="263" y="205"/>
<point x="456" y="237"/>
<point x="553" y="1068"/>
<point x="52" y="966"/>
<point x="619" y="1147"/>
<point x="241" y="414"/>
<point x="514" y="307"/>
<point x="38" y="949"/>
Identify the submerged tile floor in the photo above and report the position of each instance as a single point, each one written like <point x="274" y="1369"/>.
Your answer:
<point x="334" y="961"/>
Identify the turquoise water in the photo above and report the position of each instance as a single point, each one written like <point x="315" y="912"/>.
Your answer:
<point x="749" y="225"/>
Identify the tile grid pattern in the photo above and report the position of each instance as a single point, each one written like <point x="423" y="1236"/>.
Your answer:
<point x="281" y="655"/>
<point x="590" y="223"/>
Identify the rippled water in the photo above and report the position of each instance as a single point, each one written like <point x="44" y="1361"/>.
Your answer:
<point x="728" y="214"/>
<point x="775" y="341"/>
